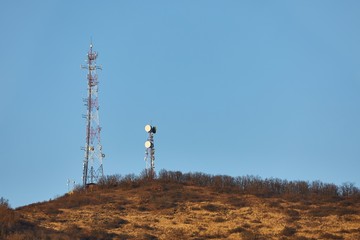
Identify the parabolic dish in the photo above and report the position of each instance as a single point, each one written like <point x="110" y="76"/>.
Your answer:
<point x="148" y="128"/>
<point x="148" y="144"/>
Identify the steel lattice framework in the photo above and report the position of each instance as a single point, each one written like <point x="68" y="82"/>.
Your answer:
<point x="150" y="151"/>
<point x="93" y="162"/>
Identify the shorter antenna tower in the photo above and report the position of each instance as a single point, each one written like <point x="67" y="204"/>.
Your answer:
<point x="150" y="151"/>
<point x="71" y="185"/>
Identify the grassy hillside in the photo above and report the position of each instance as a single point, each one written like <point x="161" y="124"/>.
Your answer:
<point x="191" y="206"/>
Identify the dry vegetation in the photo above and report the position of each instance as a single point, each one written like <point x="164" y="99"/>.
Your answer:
<point x="191" y="206"/>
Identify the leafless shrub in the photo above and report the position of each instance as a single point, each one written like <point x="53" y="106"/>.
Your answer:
<point x="331" y="236"/>
<point x="177" y="233"/>
<point x="123" y="236"/>
<point x="98" y="233"/>
<point x="293" y="215"/>
<point x="237" y="202"/>
<point x="147" y="175"/>
<point x="8" y="218"/>
<point x="195" y="208"/>
<point x="193" y="196"/>
<point x="4" y="203"/>
<point x="246" y="225"/>
<point x="188" y="221"/>
<point x="120" y="207"/>
<point x="212" y="207"/>
<point x="323" y="211"/>
<point x="252" y="236"/>
<point x="288" y="231"/>
<point x="275" y="204"/>
<point x="256" y="221"/>
<point x="344" y="231"/>
<point x="247" y="234"/>
<point x="348" y="189"/>
<point x="163" y="202"/>
<point x="143" y="209"/>
<point x="219" y="219"/>
<point x="52" y="209"/>
<point x="217" y="235"/>
<point x="110" y="181"/>
<point x="237" y="230"/>
<point x="341" y="211"/>
<point x="73" y="230"/>
<point x="115" y="223"/>
<point x="302" y="238"/>
<point x="149" y="237"/>
<point x="144" y="226"/>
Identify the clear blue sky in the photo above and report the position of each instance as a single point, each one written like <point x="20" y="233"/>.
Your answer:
<point x="267" y="88"/>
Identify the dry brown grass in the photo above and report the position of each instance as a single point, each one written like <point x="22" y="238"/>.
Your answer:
<point x="173" y="210"/>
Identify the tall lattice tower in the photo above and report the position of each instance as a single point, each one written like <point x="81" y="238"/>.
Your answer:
<point x="93" y="162"/>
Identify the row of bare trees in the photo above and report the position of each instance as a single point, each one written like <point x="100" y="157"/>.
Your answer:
<point x="243" y="184"/>
<point x="258" y="186"/>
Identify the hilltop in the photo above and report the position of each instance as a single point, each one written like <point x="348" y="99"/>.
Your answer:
<point x="191" y="206"/>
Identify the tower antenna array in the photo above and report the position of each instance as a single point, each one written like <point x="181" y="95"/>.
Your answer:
<point x="93" y="161"/>
<point x="150" y="151"/>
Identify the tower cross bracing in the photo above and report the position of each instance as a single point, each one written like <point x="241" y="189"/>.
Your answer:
<point x="93" y="160"/>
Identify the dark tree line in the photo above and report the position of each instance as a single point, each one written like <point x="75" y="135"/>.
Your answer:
<point x="269" y="187"/>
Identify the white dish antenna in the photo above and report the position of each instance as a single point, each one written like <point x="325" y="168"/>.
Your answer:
<point x="148" y="128"/>
<point x="148" y="144"/>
